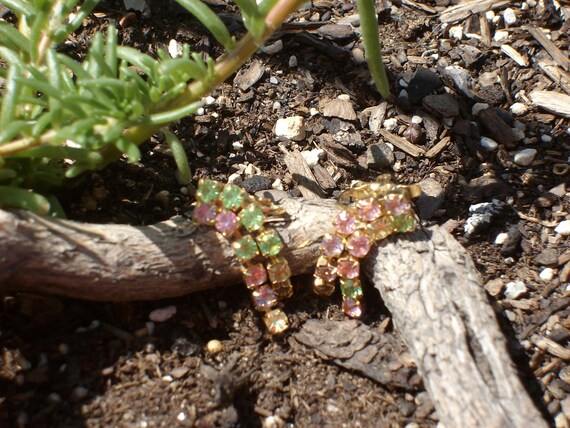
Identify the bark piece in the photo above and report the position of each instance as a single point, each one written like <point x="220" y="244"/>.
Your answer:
<point x="464" y="9"/>
<point x="558" y="75"/>
<point x="550" y="47"/>
<point x="497" y="128"/>
<point x="439" y="306"/>
<point x="554" y="102"/>
<point x="402" y="143"/>
<point x="302" y="175"/>
<point x="355" y="346"/>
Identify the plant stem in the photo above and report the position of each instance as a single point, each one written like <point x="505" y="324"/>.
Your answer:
<point x="226" y="66"/>
<point x="369" y="26"/>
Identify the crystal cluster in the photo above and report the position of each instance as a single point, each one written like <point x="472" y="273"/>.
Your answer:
<point x="372" y="212"/>
<point x="241" y="217"/>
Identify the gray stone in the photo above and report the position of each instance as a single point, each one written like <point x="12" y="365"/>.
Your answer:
<point x="443" y="105"/>
<point x="257" y="183"/>
<point x="547" y="257"/>
<point x="431" y="199"/>
<point x="379" y="155"/>
<point x="422" y="84"/>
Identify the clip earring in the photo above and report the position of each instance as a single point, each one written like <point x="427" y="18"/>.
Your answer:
<point x="370" y="212"/>
<point x="241" y="218"/>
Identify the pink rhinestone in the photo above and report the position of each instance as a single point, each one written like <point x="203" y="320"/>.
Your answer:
<point x="332" y="245"/>
<point x="345" y="223"/>
<point x="227" y="223"/>
<point x="368" y="209"/>
<point x="358" y="244"/>
<point x="396" y="204"/>
<point x="351" y="307"/>
<point x="204" y="213"/>
<point x="347" y="268"/>
<point x="264" y="298"/>
<point x="255" y="275"/>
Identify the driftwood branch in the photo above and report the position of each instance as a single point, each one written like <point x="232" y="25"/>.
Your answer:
<point x="430" y="284"/>
<point x="426" y="279"/>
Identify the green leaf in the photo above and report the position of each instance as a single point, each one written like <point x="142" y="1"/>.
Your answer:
<point x="10" y="97"/>
<point x="19" y="6"/>
<point x="111" y="50"/>
<point x="15" y="197"/>
<point x="247" y="7"/>
<point x="8" y="33"/>
<point x="145" y="63"/>
<point x="17" y="127"/>
<point x="210" y="20"/>
<point x="129" y="148"/>
<point x="369" y="27"/>
<point x="179" y="155"/>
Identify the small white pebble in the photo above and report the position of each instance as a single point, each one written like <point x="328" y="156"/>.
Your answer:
<point x="515" y="289"/>
<point x="518" y="109"/>
<point x="313" y="111"/>
<point x="200" y="111"/>
<point x="456" y="32"/>
<point x="344" y="97"/>
<point x="501" y="238"/>
<point x="490" y="15"/>
<point x="511" y="316"/>
<point x="237" y="145"/>
<point x="390" y="124"/>
<point x="234" y="177"/>
<point x="209" y="100"/>
<point x="545" y="138"/>
<point x="174" y="49"/>
<point x="525" y="157"/>
<point x="181" y="416"/>
<point x="563" y="228"/>
<point x="292" y="128"/>
<point x="293" y="61"/>
<point x="277" y="184"/>
<point x="509" y="16"/>
<point x="403" y="83"/>
<point x="524" y="6"/>
<point x="500" y="36"/>
<point x="531" y="3"/>
<point x="167" y="378"/>
<point x="214" y="347"/>
<point x="488" y="144"/>
<point x="478" y="107"/>
<point x="162" y="314"/>
<point x="276" y="106"/>
<point x="417" y="120"/>
<point x="547" y="274"/>
<point x="312" y="156"/>
<point x="273" y="80"/>
<point x="448" y="121"/>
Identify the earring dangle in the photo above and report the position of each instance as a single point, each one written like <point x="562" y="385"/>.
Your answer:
<point x="370" y="212"/>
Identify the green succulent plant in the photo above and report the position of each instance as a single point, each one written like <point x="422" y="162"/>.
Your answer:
<point x="60" y="117"/>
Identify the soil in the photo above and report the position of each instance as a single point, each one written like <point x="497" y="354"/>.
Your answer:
<point x="68" y="363"/>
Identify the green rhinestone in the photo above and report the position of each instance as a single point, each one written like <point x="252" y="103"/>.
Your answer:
<point x="269" y="242"/>
<point x="403" y="222"/>
<point x="232" y="197"/>
<point x="208" y="190"/>
<point x="245" y="248"/>
<point x="252" y="217"/>
<point x="351" y="288"/>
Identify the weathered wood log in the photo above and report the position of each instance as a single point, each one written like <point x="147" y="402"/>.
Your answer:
<point x="120" y="263"/>
<point x="426" y="279"/>
<point x="430" y="285"/>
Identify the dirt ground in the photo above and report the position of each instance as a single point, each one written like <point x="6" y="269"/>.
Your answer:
<point x="70" y="363"/>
